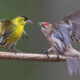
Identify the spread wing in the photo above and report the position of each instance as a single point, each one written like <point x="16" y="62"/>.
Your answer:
<point x="75" y="19"/>
<point x="5" y="30"/>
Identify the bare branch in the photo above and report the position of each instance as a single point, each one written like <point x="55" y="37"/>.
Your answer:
<point x="31" y="57"/>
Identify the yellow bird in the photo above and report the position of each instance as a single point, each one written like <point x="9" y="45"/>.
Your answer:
<point x="11" y="31"/>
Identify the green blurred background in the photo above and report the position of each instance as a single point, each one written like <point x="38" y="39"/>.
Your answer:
<point x="36" y="10"/>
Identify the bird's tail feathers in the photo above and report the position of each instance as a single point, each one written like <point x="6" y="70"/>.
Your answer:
<point x="73" y="65"/>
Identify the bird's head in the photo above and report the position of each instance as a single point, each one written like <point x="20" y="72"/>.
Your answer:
<point x="21" y="20"/>
<point x="46" y="28"/>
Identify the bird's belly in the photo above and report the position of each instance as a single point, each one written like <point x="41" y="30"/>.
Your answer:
<point x="15" y="36"/>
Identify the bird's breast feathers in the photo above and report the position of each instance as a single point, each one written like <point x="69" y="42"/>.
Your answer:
<point x="16" y="34"/>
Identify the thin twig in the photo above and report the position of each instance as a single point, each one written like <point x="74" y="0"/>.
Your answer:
<point x="31" y="57"/>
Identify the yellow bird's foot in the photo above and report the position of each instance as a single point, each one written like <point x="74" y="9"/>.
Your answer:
<point x="17" y="51"/>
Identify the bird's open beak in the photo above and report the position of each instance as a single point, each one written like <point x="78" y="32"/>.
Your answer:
<point x="29" y="21"/>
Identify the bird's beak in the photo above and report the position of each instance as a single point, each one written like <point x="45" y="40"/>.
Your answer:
<point x="29" y="21"/>
<point x="40" y="23"/>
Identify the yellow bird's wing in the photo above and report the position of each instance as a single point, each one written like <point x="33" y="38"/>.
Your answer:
<point x="5" y="30"/>
<point x="5" y="25"/>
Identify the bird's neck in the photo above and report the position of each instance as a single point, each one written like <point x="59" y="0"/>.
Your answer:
<point x="48" y="34"/>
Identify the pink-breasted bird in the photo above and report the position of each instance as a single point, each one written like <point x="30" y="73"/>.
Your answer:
<point x="59" y="36"/>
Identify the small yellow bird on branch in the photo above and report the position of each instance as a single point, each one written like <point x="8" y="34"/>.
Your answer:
<point x="11" y="31"/>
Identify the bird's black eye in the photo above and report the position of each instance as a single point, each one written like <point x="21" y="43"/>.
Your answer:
<point x="25" y="18"/>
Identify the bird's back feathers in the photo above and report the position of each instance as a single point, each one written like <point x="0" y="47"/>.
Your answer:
<point x="5" y="30"/>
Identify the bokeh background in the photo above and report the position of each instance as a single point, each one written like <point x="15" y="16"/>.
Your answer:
<point x="36" y="10"/>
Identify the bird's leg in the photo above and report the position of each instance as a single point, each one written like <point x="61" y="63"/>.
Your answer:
<point x="47" y="51"/>
<point x="7" y="48"/>
<point x="52" y="50"/>
<point x="58" y="48"/>
<point x="14" y="49"/>
<point x="55" y="47"/>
